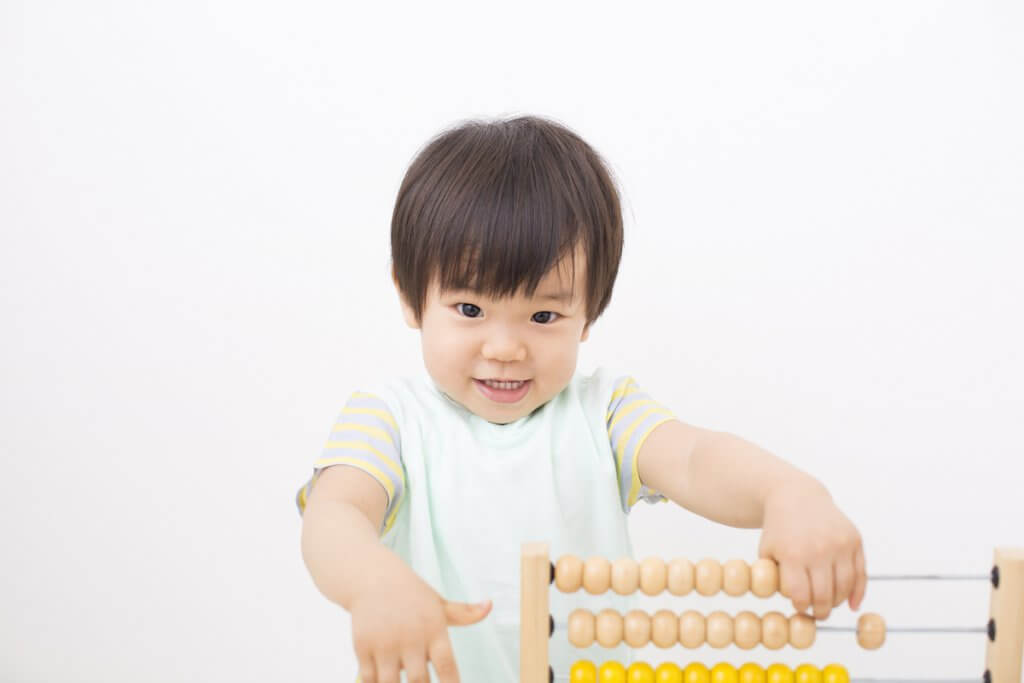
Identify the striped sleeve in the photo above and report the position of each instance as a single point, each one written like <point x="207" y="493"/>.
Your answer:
<point x="632" y="416"/>
<point x="365" y="436"/>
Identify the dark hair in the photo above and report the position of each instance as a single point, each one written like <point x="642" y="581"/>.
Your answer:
<point x="492" y="206"/>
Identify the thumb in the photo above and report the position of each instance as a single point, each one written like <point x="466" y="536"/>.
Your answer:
<point x="465" y="614"/>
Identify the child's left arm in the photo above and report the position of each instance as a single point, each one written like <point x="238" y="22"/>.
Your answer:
<point x="732" y="481"/>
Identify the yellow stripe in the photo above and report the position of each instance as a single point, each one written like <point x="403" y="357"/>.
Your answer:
<point x="628" y="386"/>
<point x="634" y="487"/>
<point x="382" y="414"/>
<point x="627" y="409"/>
<point x="365" y="429"/>
<point x="363" y="465"/>
<point x="363" y="446"/>
<point x="620" y="447"/>
<point x="391" y="518"/>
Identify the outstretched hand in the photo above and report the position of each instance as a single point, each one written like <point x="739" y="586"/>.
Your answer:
<point x="818" y="550"/>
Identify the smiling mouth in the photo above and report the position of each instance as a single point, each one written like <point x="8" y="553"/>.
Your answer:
<point x="504" y="385"/>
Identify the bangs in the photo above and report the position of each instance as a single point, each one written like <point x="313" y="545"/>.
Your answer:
<point x="493" y="207"/>
<point x="519" y="229"/>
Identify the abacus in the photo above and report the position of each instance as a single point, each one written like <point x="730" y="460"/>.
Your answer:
<point x="773" y="630"/>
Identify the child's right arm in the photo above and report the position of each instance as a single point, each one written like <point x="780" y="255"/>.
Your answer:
<point x="398" y="620"/>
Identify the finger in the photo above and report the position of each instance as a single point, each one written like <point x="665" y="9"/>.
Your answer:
<point x="860" y="585"/>
<point x="415" y="665"/>
<point x="367" y="669"/>
<point x="795" y="585"/>
<point x="845" y="578"/>
<point x="387" y="669"/>
<point x="441" y="657"/>
<point x="464" y="614"/>
<point x="823" y="587"/>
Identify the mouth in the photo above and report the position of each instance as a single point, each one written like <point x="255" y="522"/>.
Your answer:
<point x="503" y="391"/>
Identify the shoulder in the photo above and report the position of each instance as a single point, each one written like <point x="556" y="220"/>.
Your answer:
<point x="601" y="386"/>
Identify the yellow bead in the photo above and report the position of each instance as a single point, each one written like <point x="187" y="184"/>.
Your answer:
<point x="834" y="673"/>
<point x="778" y="673"/>
<point x="806" y="673"/>
<point x="583" y="671"/>
<point x="751" y="673"/>
<point x="668" y="673"/>
<point x="696" y="673"/>
<point x="612" y="672"/>
<point x="640" y="672"/>
<point x="723" y="672"/>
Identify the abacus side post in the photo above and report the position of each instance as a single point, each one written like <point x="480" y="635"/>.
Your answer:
<point x="534" y="577"/>
<point x="1003" y="654"/>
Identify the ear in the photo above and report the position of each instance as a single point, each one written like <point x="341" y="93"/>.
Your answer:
<point x="407" y="312"/>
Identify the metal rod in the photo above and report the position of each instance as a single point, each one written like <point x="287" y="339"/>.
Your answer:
<point x="978" y="679"/>
<point x="929" y="577"/>
<point x="911" y="629"/>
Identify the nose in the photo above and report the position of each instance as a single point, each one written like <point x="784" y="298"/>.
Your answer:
<point x="500" y="345"/>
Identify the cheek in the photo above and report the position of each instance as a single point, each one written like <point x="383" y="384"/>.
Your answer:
<point x="444" y="351"/>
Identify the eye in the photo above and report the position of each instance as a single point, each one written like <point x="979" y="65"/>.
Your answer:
<point x="544" y="317"/>
<point x="468" y="310"/>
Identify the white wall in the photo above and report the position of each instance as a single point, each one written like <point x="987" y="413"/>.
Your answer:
<point x="824" y="216"/>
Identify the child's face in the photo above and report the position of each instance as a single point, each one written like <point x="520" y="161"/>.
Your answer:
<point x="469" y="339"/>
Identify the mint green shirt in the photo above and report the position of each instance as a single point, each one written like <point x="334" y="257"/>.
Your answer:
<point x="464" y="494"/>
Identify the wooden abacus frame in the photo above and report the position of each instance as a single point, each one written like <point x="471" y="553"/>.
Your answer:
<point x="1004" y="651"/>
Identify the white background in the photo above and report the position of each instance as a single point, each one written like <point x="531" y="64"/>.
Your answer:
<point x="824" y="245"/>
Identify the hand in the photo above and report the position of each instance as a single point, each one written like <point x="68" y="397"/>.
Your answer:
<point x="402" y="623"/>
<point x="819" y="551"/>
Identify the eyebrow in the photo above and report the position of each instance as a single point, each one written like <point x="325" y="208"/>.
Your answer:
<point x="564" y="297"/>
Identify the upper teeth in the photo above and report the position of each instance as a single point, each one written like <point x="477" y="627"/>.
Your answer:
<point x="503" y="385"/>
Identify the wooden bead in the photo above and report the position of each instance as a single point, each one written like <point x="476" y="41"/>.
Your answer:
<point x="746" y="630"/>
<point x="691" y="629"/>
<point x="680" y="576"/>
<point x="597" y="575"/>
<point x="807" y="673"/>
<point x="664" y="628"/>
<point x="719" y="629"/>
<point x="764" y="578"/>
<point x="724" y="672"/>
<point x="835" y="673"/>
<point x="569" y="573"/>
<point x="751" y="673"/>
<point x="612" y="672"/>
<point x="802" y="631"/>
<point x="774" y="630"/>
<point x="735" y="577"/>
<point x="870" y="631"/>
<point x="653" y="575"/>
<point x="640" y="672"/>
<point x="581" y="628"/>
<point x="695" y="672"/>
<point x="583" y="671"/>
<point x="668" y="672"/>
<point x="708" y="576"/>
<point x="608" y="628"/>
<point x="637" y="626"/>
<point x="625" y="575"/>
<point x="778" y="673"/>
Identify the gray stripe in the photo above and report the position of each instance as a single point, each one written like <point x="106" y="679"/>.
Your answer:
<point x="370" y="420"/>
<point x="362" y="437"/>
<point x="627" y="420"/>
<point x="390" y="450"/>
<point x="630" y="451"/>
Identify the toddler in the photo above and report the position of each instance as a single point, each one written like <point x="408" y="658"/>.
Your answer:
<point x="506" y="238"/>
